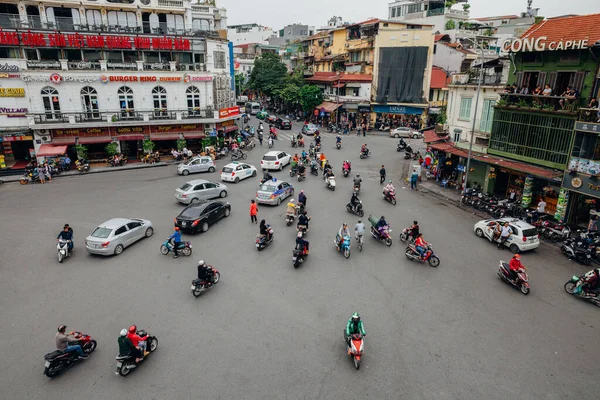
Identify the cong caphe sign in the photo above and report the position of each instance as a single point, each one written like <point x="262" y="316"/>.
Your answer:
<point x="542" y="44"/>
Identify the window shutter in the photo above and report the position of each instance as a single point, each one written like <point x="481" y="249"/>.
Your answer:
<point x="552" y="80"/>
<point x="541" y="81"/>
<point x="483" y="123"/>
<point x="578" y="81"/>
<point x="520" y="77"/>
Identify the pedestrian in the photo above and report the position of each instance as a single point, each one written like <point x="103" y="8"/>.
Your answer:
<point x="413" y="179"/>
<point x="41" y="174"/>
<point x="593" y="225"/>
<point x="382" y="175"/>
<point x="253" y="211"/>
<point x="364" y="129"/>
<point x="47" y="172"/>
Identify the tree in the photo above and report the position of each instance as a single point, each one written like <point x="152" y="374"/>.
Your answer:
<point x="268" y="74"/>
<point x="81" y="151"/>
<point x="240" y="79"/>
<point x="288" y="94"/>
<point x="310" y="97"/>
<point x="450" y="24"/>
<point x="148" y="146"/>
<point x="112" y="148"/>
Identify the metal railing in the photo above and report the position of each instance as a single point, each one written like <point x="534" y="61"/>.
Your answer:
<point x="539" y="102"/>
<point x="83" y="65"/>
<point x="435" y="11"/>
<point x="589" y="115"/>
<point x="124" y="115"/>
<point x="170" y="3"/>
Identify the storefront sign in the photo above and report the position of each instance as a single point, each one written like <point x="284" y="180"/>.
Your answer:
<point x="78" y="41"/>
<point x="582" y="183"/>
<point x="81" y="132"/>
<point x="587" y="127"/>
<point x="4" y="75"/>
<point x="6" y="67"/>
<point x="121" y="65"/>
<point x="12" y="92"/>
<point x="542" y="44"/>
<point x="229" y="112"/>
<point x="117" y="78"/>
<point x="188" y="78"/>
<point x="177" y="128"/>
<point x="384" y="109"/>
<point x="43" y="64"/>
<point x="16" y="138"/>
<point x="57" y="78"/>
<point x="144" y="130"/>
<point x="14" y="112"/>
<point x="364" y="108"/>
<point x="225" y="124"/>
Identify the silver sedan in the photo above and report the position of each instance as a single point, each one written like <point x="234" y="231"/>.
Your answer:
<point x="112" y="236"/>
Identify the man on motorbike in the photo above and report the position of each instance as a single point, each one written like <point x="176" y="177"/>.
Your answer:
<point x="291" y="208"/>
<point x="301" y="169"/>
<point x="414" y="229"/>
<point x="205" y="273"/>
<point x="338" y="139"/>
<point x="260" y="127"/>
<point x="304" y="155"/>
<point x="318" y="140"/>
<point x="267" y="176"/>
<point x="62" y="342"/>
<point x="176" y="241"/>
<point x="270" y="141"/>
<point x="515" y="266"/>
<point x="67" y="235"/>
<point x="354" y="325"/>
<point x="357" y="181"/>
<point x="303" y="220"/>
<point x="421" y="244"/>
<point x="260" y="137"/>
<point x="327" y="167"/>
<point x="314" y="165"/>
<point x="294" y="142"/>
<point x="364" y="150"/>
<point x="359" y="229"/>
<point x="137" y="340"/>
<point x="264" y="230"/>
<point x="389" y="188"/>
<point x="591" y="282"/>
<point x="127" y="348"/>
<point x="328" y="174"/>
<point x="354" y="201"/>
<point x="341" y="234"/>
<point x="302" y="244"/>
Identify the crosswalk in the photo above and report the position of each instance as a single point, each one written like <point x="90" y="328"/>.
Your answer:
<point x="287" y="135"/>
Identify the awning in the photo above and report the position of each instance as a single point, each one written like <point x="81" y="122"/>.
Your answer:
<point x="228" y="129"/>
<point x="518" y="166"/>
<point x="328" y="106"/>
<point x="351" y="106"/>
<point x="94" y="139"/>
<point x="47" y="150"/>
<point x="338" y="85"/>
<point x="194" y="135"/>
<point x="164" y="136"/>
<point x="431" y="137"/>
<point x="63" y="140"/>
<point x="131" y="137"/>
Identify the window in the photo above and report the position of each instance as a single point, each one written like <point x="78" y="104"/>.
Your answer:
<point x="159" y="97"/>
<point x="219" y="59"/>
<point x="465" y="108"/>
<point x="51" y="103"/>
<point x="193" y="100"/>
<point x="487" y="116"/>
<point x="126" y="102"/>
<point x="134" y="225"/>
<point x="121" y="230"/>
<point x="89" y="101"/>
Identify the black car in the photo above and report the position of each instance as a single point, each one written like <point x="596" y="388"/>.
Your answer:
<point x="199" y="216"/>
<point x="270" y="119"/>
<point x="283" y="123"/>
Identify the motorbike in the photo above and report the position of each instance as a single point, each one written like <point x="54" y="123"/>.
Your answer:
<point x="58" y="360"/>
<point x="346" y="172"/>
<point x="293" y="171"/>
<point x="238" y="155"/>
<point x="408" y="155"/>
<point x="29" y="178"/>
<point x="575" y="287"/>
<point x="412" y="254"/>
<point x="185" y="248"/>
<point x="577" y="250"/>
<point x="314" y="170"/>
<point x="270" y="143"/>
<point x="522" y="281"/>
<point x="62" y="249"/>
<point x="357" y="187"/>
<point x="406" y="236"/>
<point x="330" y="183"/>
<point x="199" y="286"/>
<point x="298" y="257"/>
<point x="301" y="176"/>
<point x="358" y="211"/>
<point x="383" y="235"/>
<point x="82" y="167"/>
<point x="390" y="196"/>
<point x="338" y="145"/>
<point x="289" y="219"/>
<point x="344" y="245"/>
<point x="126" y="363"/>
<point x="301" y="143"/>
<point x="365" y="154"/>
<point x="556" y="232"/>
<point x="302" y="228"/>
<point x="262" y="242"/>
<point x="294" y="142"/>
<point x="401" y="145"/>
<point x="355" y="347"/>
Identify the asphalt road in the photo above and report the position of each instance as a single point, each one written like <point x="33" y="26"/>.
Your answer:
<point x="269" y="331"/>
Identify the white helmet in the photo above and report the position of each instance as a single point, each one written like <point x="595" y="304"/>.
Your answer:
<point x="201" y="262"/>
<point x="292" y="200"/>
<point x="123" y="332"/>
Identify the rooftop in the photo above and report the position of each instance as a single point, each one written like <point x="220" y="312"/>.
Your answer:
<point x="457" y="47"/>
<point x="567" y="28"/>
<point x="439" y="78"/>
<point x="497" y="17"/>
<point x="441" y="36"/>
<point x="330" y="77"/>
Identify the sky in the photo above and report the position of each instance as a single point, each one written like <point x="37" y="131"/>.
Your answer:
<point x="278" y="13"/>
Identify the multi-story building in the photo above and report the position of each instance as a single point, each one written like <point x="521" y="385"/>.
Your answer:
<point x="431" y="12"/>
<point x="245" y="54"/>
<point x="249" y="33"/>
<point x="103" y="71"/>
<point x="291" y="33"/>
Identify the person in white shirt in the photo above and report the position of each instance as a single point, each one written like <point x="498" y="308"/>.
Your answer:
<point x="504" y="235"/>
<point x="541" y="207"/>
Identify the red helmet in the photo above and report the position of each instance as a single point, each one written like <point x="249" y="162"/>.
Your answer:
<point x="132" y="329"/>
<point x="176" y="228"/>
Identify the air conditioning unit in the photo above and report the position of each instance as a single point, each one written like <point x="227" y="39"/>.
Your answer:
<point x="46" y="139"/>
<point x="43" y="132"/>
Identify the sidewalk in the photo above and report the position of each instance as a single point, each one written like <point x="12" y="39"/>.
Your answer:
<point x="96" y="170"/>
<point x="430" y="186"/>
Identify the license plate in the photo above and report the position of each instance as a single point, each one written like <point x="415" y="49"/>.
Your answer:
<point x="183" y="224"/>
<point x="294" y="258"/>
<point x="193" y="287"/>
<point x="190" y="246"/>
<point x="47" y="364"/>
<point x="257" y="244"/>
<point x="119" y="364"/>
<point x="588" y="256"/>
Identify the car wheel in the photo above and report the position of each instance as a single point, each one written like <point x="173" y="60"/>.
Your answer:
<point x="211" y="169"/>
<point x="281" y="167"/>
<point x="237" y="179"/>
<point x="194" y="200"/>
<point x="204" y="226"/>
<point x="185" y="172"/>
<point x="223" y="194"/>
<point x="514" y="248"/>
<point x="278" y="200"/>
<point x="479" y="232"/>
<point x="253" y="173"/>
<point x="227" y="212"/>
<point x="118" y="249"/>
<point x="396" y="136"/>
<point x="149" y="232"/>
<point x="415" y="136"/>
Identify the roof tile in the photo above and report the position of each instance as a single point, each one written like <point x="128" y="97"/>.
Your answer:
<point x="567" y="28"/>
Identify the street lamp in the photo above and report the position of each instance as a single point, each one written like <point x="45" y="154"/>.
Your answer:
<point x="479" y="82"/>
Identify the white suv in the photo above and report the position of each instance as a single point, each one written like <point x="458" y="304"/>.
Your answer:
<point x="524" y="236"/>
<point x="275" y="160"/>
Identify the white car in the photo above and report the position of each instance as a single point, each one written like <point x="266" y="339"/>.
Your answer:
<point x="275" y="160"/>
<point x="405" y="133"/>
<point x="524" y="236"/>
<point x="235" y="172"/>
<point x="196" y="164"/>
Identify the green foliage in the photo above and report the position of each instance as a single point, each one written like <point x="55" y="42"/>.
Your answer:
<point x="488" y="32"/>
<point x="112" y="148"/>
<point x="450" y="3"/>
<point x="181" y="143"/>
<point x="501" y="103"/>
<point x="268" y="74"/>
<point x="240" y="79"/>
<point x="441" y="117"/>
<point x="310" y="97"/>
<point x="450" y="24"/>
<point x="82" y="151"/>
<point x="289" y="93"/>
<point x="466" y="6"/>
<point x="148" y="146"/>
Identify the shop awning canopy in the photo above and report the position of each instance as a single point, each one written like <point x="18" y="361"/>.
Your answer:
<point x="63" y="140"/>
<point x="328" y="106"/>
<point x="164" y="136"/>
<point x="431" y="137"/>
<point x="131" y="137"/>
<point x="48" y="150"/>
<point x="94" y="139"/>
<point x="338" y="85"/>
<point x="231" y="128"/>
<point x="194" y="135"/>
<point x="518" y="166"/>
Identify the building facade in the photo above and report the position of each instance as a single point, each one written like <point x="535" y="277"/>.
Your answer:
<point x="249" y="33"/>
<point x="110" y="79"/>
<point x="291" y="33"/>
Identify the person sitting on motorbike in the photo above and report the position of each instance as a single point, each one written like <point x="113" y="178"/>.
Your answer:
<point x="591" y="281"/>
<point x="341" y="234"/>
<point x="137" y="340"/>
<point x="62" y="342"/>
<point x="327" y="167"/>
<point x="271" y="140"/>
<point x="302" y="244"/>
<point x="318" y="140"/>
<point x="314" y="165"/>
<point x="346" y="166"/>
<point x="364" y="150"/>
<point x="402" y="143"/>
<point x="354" y="325"/>
<point x="359" y="229"/>
<point x="328" y="174"/>
<point x="267" y="176"/>
<point x="260" y="127"/>
<point x="176" y="239"/>
<point x="414" y="229"/>
<point x="67" y="235"/>
<point x="515" y="266"/>
<point x="357" y="181"/>
<point x="126" y="347"/>
<point x="389" y="188"/>
<point x="301" y="169"/>
<point x="264" y="230"/>
<point x="338" y="139"/>
<point x="421" y="244"/>
<point x="205" y="273"/>
<point x="408" y="149"/>
<point x="304" y="155"/>
<point x="296" y="158"/>
<point x="322" y="159"/>
<point x="303" y="220"/>
<point x="354" y="201"/>
<point x="294" y="142"/>
<point x="291" y="208"/>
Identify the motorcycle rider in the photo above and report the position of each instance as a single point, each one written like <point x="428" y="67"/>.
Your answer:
<point x="301" y="169"/>
<point x="302" y="244"/>
<point x="341" y="234"/>
<point x="354" y="325"/>
<point x="414" y="229"/>
<point x="327" y="167"/>
<point x="318" y="140"/>
<point x="62" y="342"/>
<point x="328" y="175"/>
<point x="346" y="166"/>
<point x="67" y="235"/>
<point x="515" y="266"/>
<point x="137" y="340"/>
<point x="300" y="139"/>
<point x="260" y="127"/>
<point x="294" y="142"/>
<point x="389" y="188"/>
<point x="364" y="150"/>
<point x="314" y="166"/>
<point x="127" y="348"/>
<point x="357" y="181"/>
<point x="291" y="208"/>
<point x="176" y="238"/>
<point x="205" y="273"/>
<point x="302" y="198"/>
<point x="304" y="155"/>
<point x="267" y="176"/>
<point x="270" y="140"/>
<point x="354" y="201"/>
<point x="359" y="229"/>
<point x="421" y="245"/>
<point x="303" y="220"/>
<point x="264" y="230"/>
<point x="591" y="281"/>
<point x="338" y="139"/>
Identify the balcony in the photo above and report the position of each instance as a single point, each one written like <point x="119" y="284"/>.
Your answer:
<point x="529" y="102"/>
<point x="589" y="115"/>
<point x="170" y="3"/>
<point x="243" y="56"/>
<point x="471" y="77"/>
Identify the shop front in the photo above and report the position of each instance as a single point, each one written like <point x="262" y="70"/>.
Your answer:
<point x="130" y="140"/>
<point x="583" y="197"/>
<point x="16" y="149"/>
<point x="326" y="112"/>
<point x="398" y="115"/>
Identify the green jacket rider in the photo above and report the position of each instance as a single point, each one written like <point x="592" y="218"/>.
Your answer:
<point x="355" y="325"/>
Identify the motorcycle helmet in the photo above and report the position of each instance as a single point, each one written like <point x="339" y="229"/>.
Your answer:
<point x="132" y="329"/>
<point x="176" y="228"/>
<point x="517" y="256"/>
<point x="291" y="200"/>
<point x="62" y="328"/>
<point x="358" y="175"/>
<point x="355" y="317"/>
<point x="201" y="263"/>
<point x="302" y="191"/>
<point x="382" y="217"/>
<point x="345" y="224"/>
<point x="390" y="182"/>
<point x="123" y="332"/>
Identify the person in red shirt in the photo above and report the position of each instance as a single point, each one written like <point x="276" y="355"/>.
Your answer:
<point x="421" y="244"/>
<point x="137" y="340"/>
<point x="253" y="211"/>
<point x="515" y="266"/>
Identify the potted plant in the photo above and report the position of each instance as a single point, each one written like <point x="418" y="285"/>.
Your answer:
<point x="181" y="143"/>
<point x="82" y="152"/>
<point x="112" y="149"/>
<point x="148" y="146"/>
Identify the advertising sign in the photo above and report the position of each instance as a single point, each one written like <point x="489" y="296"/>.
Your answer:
<point x="542" y="44"/>
<point x="12" y="92"/>
<point x="229" y="112"/>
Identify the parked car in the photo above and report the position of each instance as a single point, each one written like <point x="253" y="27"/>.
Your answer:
<point x="199" y="189"/>
<point x="283" y="123"/>
<point x="524" y="236"/>
<point x="275" y="160"/>
<point x="235" y="172"/>
<point x="310" y="129"/>
<point x="198" y="217"/>
<point x="262" y="114"/>
<point x="270" y="119"/>
<point x="112" y="236"/>
<point x="274" y="192"/>
<point x="405" y="132"/>
<point x="196" y="164"/>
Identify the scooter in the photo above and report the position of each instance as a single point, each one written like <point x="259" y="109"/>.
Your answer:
<point x="365" y="154"/>
<point x="289" y="219"/>
<point x="344" y="245"/>
<point x="575" y="287"/>
<point x="301" y="176"/>
<point x="58" y="360"/>
<point x="522" y="281"/>
<point x="338" y="145"/>
<point x="294" y="142"/>
<point x="314" y="170"/>
<point x="293" y="171"/>
<point x="199" y="286"/>
<point x="355" y="347"/>
<point x="401" y="146"/>
<point x="127" y="363"/>
<point x="185" y="248"/>
<point x="62" y="249"/>
<point x="298" y="257"/>
<point x="576" y="250"/>
<point x="357" y="187"/>
<point x="262" y="241"/>
<point x="330" y="183"/>
<point x="270" y="142"/>
<point x="383" y="235"/>
<point x="390" y="196"/>
<point x="82" y="167"/>
<point x="238" y="155"/>
<point x="406" y="236"/>
<point x="346" y="172"/>
<point x="356" y="211"/>
<point x="412" y="254"/>
<point x="408" y="155"/>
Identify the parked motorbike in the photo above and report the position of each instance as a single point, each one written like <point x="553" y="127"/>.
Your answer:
<point x="262" y="241"/>
<point x="412" y="254"/>
<point x="522" y="281"/>
<point x="383" y="235"/>
<point x="330" y="183"/>
<point x="127" y="363"/>
<point x="355" y="346"/>
<point x="390" y="196"/>
<point x="575" y="287"/>
<point x="406" y="236"/>
<point x="298" y="257"/>
<point x="577" y="250"/>
<point x="199" y="286"/>
<point x="238" y="155"/>
<point x="29" y="178"/>
<point x="365" y="154"/>
<point x="408" y="155"/>
<point x="82" y="166"/>
<point x="184" y="248"/>
<point x="62" y="249"/>
<point x="356" y="211"/>
<point x="58" y="360"/>
<point x="344" y="245"/>
<point x="556" y="232"/>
